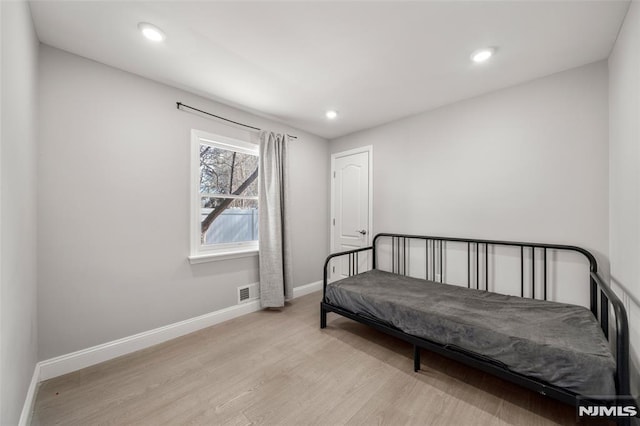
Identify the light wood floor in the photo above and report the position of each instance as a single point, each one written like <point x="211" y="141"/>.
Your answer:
<point x="279" y="368"/>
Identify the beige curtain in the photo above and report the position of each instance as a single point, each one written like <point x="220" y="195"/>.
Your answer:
<point x="276" y="284"/>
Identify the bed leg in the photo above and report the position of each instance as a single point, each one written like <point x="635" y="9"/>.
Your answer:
<point x="416" y="358"/>
<point x="323" y="317"/>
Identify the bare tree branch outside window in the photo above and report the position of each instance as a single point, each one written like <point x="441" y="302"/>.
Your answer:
<point x="226" y="172"/>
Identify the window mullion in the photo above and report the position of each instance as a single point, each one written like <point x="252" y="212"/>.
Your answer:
<point x="235" y="197"/>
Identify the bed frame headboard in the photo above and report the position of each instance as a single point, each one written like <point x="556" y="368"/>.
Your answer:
<point x="603" y="300"/>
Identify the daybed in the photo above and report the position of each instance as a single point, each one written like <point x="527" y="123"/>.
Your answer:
<point x="562" y="350"/>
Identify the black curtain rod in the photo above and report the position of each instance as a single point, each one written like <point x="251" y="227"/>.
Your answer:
<point x="180" y="104"/>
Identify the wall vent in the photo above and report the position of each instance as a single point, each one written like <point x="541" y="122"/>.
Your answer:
<point x="244" y="294"/>
<point x="247" y="293"/>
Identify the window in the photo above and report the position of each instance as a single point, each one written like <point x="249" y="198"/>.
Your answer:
<point x="224" y="221"/>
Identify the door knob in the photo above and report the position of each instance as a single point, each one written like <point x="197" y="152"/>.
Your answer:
<point x="363" y="232"/>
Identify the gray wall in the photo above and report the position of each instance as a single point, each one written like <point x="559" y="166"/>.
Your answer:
<point x="528" y="162"/>
<point x="624" y="174"/>
<point x="113" y="149"/>
<point x="18" y="335"/>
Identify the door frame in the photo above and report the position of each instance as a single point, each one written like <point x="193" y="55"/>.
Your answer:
<point x="369" y="150"/>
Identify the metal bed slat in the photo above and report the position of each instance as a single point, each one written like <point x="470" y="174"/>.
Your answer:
<point x="426" y="259"/>
<point x="404" y="256"/>
<point x="604" y="314"/>
<point x="441" y="273"/>
<point x="478" y="266"/>
<point x="521" y="271"/>
<point x="486" y="266"/>
<point x="545" y="273"/>
<point x="433" y="260"/>
<point x="468" y="265"/>
<point x="533" y="272"/>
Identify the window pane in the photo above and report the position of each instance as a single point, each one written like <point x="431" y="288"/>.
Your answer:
<point x="227" y="172"/>
<point x="228" y="220"/>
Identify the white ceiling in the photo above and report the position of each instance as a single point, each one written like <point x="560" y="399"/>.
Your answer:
<point x="374" y="62"/>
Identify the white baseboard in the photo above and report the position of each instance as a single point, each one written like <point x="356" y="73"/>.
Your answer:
<point x="303" y="290"/>
<point x="74" y="361"/>
<point x="30" y="399"/>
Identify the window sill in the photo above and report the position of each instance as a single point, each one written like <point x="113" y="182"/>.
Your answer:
<point x="225" y="255"/>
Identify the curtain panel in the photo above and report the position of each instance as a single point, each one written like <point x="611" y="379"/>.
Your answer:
<point x="276" y="283"/>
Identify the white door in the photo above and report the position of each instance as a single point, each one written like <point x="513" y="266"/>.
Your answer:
<point x="351" y="207"/>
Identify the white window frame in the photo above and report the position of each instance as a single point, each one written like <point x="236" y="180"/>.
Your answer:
<point x="199" y="252"/>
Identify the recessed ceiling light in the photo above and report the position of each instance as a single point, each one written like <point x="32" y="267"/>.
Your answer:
<point x="482" y="55"/>
<point x="331" y="114"/>
<point x="151" y="32"/>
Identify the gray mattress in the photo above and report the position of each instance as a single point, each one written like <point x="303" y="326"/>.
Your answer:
<point x="554" y="342"/>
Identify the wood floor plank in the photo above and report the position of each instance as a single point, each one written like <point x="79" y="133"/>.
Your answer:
<point x="278" y="368"/>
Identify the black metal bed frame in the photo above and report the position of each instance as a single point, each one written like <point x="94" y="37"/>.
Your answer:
<point x="602" y="298"/>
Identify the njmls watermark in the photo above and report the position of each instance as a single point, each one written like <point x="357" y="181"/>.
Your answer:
<point x="607" y="407"/>
<point x="604" y="411"/>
